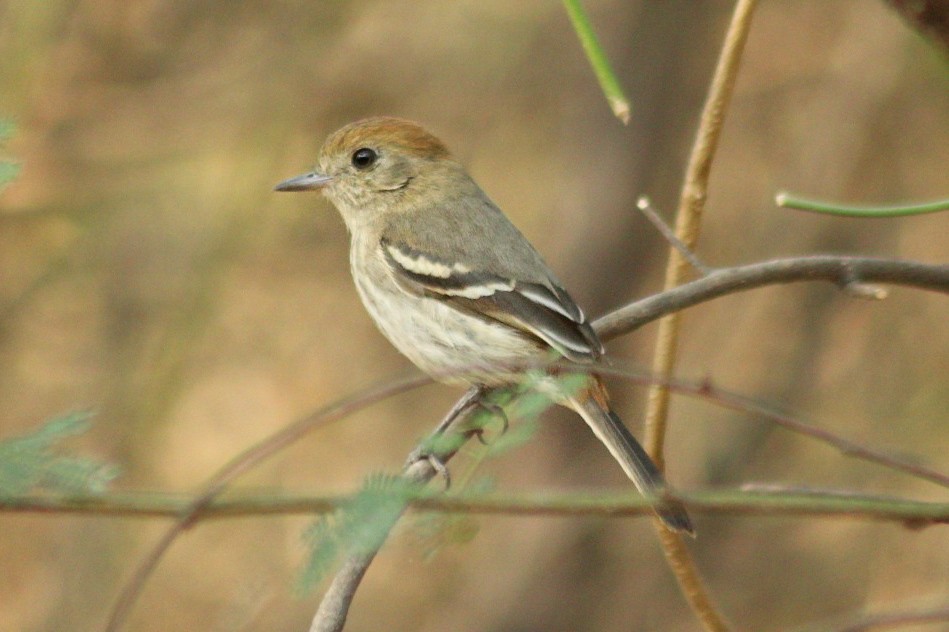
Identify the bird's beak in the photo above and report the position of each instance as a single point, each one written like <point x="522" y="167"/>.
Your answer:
<point x="306" y="182"/>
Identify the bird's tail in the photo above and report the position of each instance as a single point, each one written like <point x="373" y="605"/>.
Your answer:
<point x="593" y="405"/>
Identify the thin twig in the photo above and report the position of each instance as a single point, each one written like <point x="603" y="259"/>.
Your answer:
<point x="741" y="403"/>
<point x="846" y="447"/>
<point x="645" y="207"/>
<point x="883" y="620"/>
<point x="688" y="222"/>
<point x="761" y="499"/>
<point x="151" y="505"/>
<point x="898" y="619"/>
<point x="689" y="215"/>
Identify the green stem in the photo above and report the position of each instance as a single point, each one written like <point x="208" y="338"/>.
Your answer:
<point x="598" y="60"/>
<point x="799" y="502"/>
<point x="787" y="200"/>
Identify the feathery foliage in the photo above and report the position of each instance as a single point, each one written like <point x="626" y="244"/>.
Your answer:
<point x="35" y="461"/>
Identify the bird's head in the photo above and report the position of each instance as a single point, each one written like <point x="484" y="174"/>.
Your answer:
<point x="381" y="165"/>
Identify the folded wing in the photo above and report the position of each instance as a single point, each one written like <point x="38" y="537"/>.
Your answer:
<point x="543" y="311"/>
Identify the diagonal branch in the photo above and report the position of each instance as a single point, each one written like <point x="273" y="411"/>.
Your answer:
<point x="840" y="270"/>
<point x="333" y="609"/>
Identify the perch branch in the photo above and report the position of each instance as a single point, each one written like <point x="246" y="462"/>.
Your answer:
<point x="334" y="607"/>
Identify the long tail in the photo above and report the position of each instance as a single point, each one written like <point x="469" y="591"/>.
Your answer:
<point x="593" y="406"/>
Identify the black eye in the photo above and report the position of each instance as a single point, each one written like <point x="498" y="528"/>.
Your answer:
<point x="364" y="158"/>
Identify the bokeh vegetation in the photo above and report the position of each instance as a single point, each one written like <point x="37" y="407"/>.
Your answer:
<point x="148" y="273"/>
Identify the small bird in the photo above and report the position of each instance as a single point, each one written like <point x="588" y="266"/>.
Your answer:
<point x="454" y="285"/>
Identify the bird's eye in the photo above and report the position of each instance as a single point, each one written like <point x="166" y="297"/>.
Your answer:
<point x="364" y="158"/>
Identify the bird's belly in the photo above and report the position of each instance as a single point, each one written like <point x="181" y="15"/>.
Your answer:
<point x="446" y="343"/>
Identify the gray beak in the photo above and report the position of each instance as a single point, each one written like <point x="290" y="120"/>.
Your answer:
<point x="306" y="182"/>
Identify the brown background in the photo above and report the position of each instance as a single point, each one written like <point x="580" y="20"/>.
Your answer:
<point x="148" y="273"/>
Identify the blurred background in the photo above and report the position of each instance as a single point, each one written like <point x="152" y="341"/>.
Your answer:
<point x="149" y="274"/>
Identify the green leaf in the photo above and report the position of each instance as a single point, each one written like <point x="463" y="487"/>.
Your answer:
<point x="358" y="528"/>
<point x="35" y="461"/>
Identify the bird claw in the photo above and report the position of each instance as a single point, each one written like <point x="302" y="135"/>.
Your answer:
<point x="478" y="433"/>
<point x="498" y="412"/>
<point x="426" y="452"/>
<point x="440" y="469"/>
<point x="433" y="462"/>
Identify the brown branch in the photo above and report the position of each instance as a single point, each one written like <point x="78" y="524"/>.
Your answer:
<point x="689" y="214"/>
<point x="334" y="607"/>
<point x="898" y="619"/>
<point x="734" y="401"/>
<point x="842" y="271"/>
<point x="688" y="222"/>
<point x="645" y="207"/>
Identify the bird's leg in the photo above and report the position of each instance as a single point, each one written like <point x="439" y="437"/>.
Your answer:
<point x="437" y="445"/>
<point x="429" y="448"/>
<point x="437" y="464"/>
<point x="469" y="401"/>
<point x="495" y="410"/>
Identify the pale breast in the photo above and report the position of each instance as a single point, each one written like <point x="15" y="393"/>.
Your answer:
<point x="448" y="344"/>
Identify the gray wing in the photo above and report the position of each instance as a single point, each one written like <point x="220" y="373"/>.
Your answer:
<point x="541" y="310"/>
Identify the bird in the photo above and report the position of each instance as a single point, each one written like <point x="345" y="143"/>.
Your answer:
<point x="455" y="286"/>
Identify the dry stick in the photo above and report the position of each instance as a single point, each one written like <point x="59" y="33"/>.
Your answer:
<point x="234" y="468"/>
<point x="333" y="610"/>
<point x="836" y="503"/>
<point x="688" y="221"/>
<point x="645" y="207"/>
<point x="688" y="218"/>
<point x="331" y="614"/>
<point x="841" y="270"/>
<point x="175" y="506"/>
